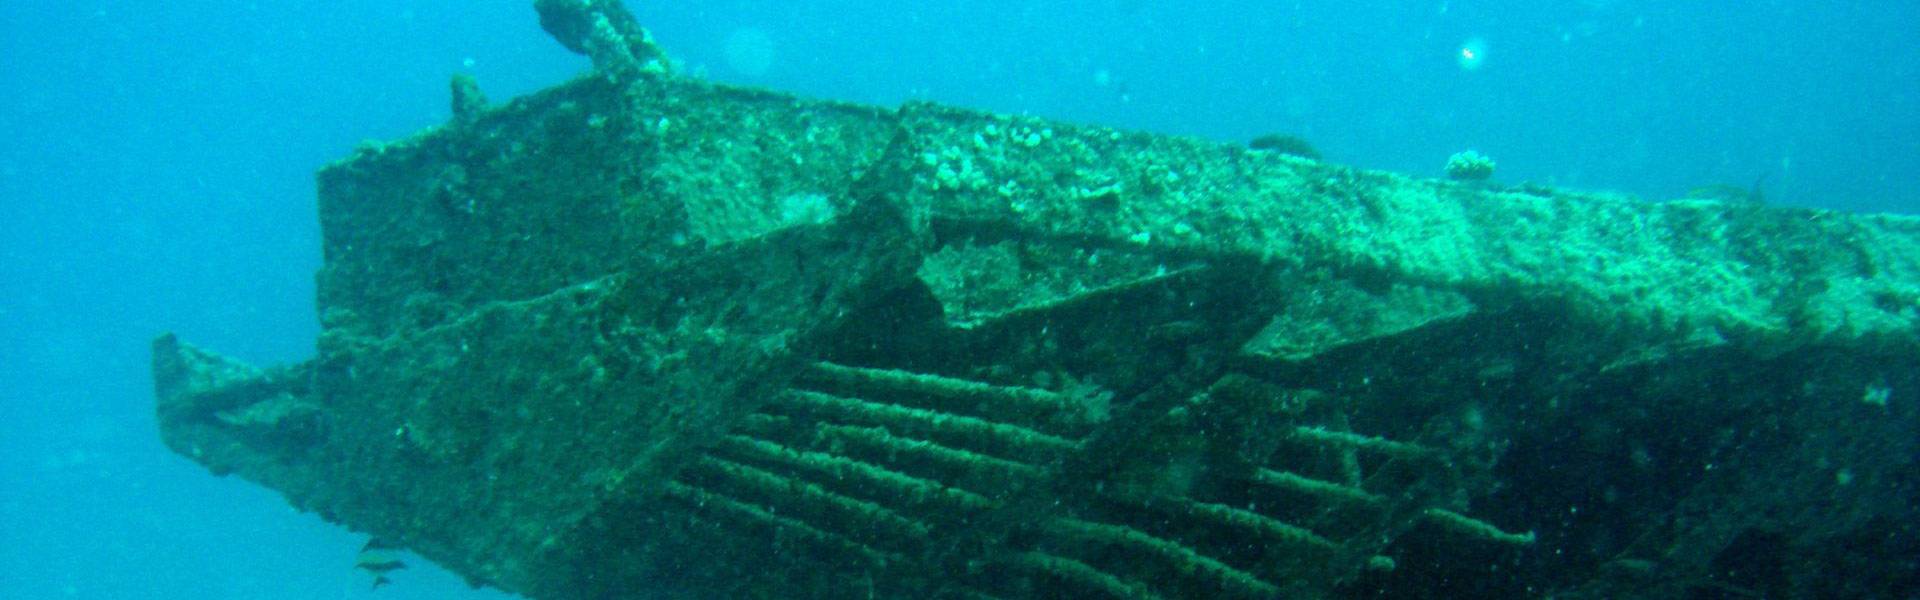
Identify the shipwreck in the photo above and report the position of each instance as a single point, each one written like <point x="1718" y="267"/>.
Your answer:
<point x="642" y="335"/>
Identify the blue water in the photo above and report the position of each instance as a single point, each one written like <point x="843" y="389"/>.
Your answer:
<point x="156" y="164"/>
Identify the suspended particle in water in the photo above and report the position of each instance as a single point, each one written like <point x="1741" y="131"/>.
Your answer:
<point x="1471" y="53"/>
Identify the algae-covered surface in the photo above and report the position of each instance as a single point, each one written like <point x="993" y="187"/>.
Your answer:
<point x="641" y="335"/>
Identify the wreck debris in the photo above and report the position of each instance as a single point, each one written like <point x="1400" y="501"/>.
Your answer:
<point x="604" y="31"/>
<point x="659" y="335"/>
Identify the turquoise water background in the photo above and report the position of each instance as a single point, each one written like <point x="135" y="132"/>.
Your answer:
<point x="156" y="164"/>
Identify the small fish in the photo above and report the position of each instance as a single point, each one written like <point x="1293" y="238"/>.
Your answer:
<point x="379" y="558"/>
<point x="1752" y="195"/>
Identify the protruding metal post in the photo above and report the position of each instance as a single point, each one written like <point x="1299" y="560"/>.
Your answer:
<point x="604" y="31"/>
